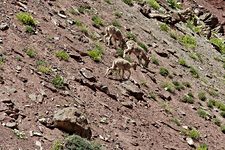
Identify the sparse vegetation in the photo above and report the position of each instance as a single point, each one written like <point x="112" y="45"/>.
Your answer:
<point x="174" y="4"/>
<point x="96" y="53"/>
<point x="128" y="2"/>
<point x="58" y="81"/>
<point x="57" y="145"/>
<point x="131" y="36"/>
<point x="219" y="44"/>
<point x="176" y="121"/>
<point x="116" y="23"/>
<point x="2" y="60"/>
<point x="31" y="52"/>
<point x="30" y="29"/>
<point x="164" y="27"/>
<point x="26" y="18"/>
<point x="142" y="45"/>
<point x="154" y="4"/>
<point x="118" y="14"/>
<point x="164" y="72"/>
<point x="196" y="56"/>
<point x="194" y="134"/>
<point x="202" y="147"/>
<point x="173" y="34"/>
<point x="44" y="69"/>
<point x="166" y="107"/>
<point x="168" y="86"/>
<point x="152" y="95"/>
<point x="178" y="86"/>
<point x="188" y="41"/>
<point x="202" y="96"/>
<point x="211" y="103"/>
<point x="188" y="98"/>
<point x="202" y="113"/>
<point x="186" y="84"/>
<point x="222" y="113"/>
<point x="196" y="29"/>
<point x="108" y="1"/>
<point x="216" y="121"/>
<point x="154" y="60"/>
<point x="182" y="62"/>
<point x="75" y="142"/>
<point x="194" y="72"/>
<point x="222" y="127"/>
<point x="62" y="55"/>
<point x="97" y="21"/>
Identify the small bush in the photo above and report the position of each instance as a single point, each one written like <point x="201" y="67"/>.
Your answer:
<point x="96" y="53"/>
<point x="178" y="86"/>
<point x="58" y="81"/>
<point x="26" y="18"/>
<point x="202" y="113"/>
<point x="220" y="105"/>
<point x="2" y="60"/>
<point x="128" y="2"/>
<point x="174" y="4"/>
<point x="194" y="72"/>
<point x="222" y="113"/>
<point x="188" y="98"/>
<point x="97" y="21"/>
<point x="119" y="52"/>
<point x="164" y="72"/>
<point x="116" y="23"/>
<point x="216" y="121"/>
<point x="164" y="27"/>
<point x="131" y="36"/>
<point x="202" y="96"/>
<point x="75" y="142"/>
<point x="57" y="145"/>
<point x="188" y="41"/>
<point x="194" y="134"/>
<point x="142" y="45"/>
<point x="154" y="4"/>
<point x="211" y="103"/>
<point x="154" y="60"/>
<point x="176" y="121"/>
<point x="186" y="84"/>
<point x="31" y="53"/>
<point x="219" y="43"/>
<point x="222" y="127"/>
<point x="152" y="95"/>
<point x="118" y="14"/>
<point x="44" y="69"/>
<point x="182" y="62"/>
<point x="30" y="29"/>
<point x="173" y="34"/>
<point x="196" y="56"/>
<point x="202" y="147"/>
<point x="62" y="55"/>
<point x="169" y="87"/>
<point x="196" y="29"/>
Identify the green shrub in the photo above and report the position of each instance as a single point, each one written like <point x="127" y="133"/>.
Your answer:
<point x="211" y="103"/>
<point x="174" y="4"/>
<point x="202" y="147"/>
<point x="108" y="1"/>
<point x="173" y="34"/>
<point x="2" y="60"/>
<point x="116" y="23"/>
<point x="119" y="52"/>
<point x="142" y="45"/>
<point x="164" y="72"/>
<point x="97" y="21"/>
<point x="202" y="96"/>
<point x="194" y="72"/>
<point x="188" y="41"/>
<point x="154" y="60"/>
<point x="44" y="69"/>
<point x="182" y="62"/>
<point x="57" y="145"/>
<point x="188" y="98"/>
<point x="164" y="27"/>
<point x="176" y="121"/>
<point x="62" y="55"/>
<point x="168" y="86"/>
<point x="219" y="43"/>
<point x="128" y="2"/>
<point x="222" y="113"/>
<point x="26" y="18"/>
<point x="96" y="53"/>
<point x="220" y="105"/>
<point x="178" y="86"/>
<point x="131" y="36"/>
<point x="30" y="29"/>
<point x="31" y="53"/>
<point x="216" y="121"/>
<point x="202" y="113"/>
<point x="196" y="56"/>
<point x="154" y="4"/>
<point x="58" y="81"/>
<point x="75" y="142"/>
<point x="194" y="134"/>
<point x="196" y="29"/>
<point x="222" y="127"/>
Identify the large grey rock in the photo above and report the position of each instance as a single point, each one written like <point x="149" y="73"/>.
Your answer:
<point x="72" y="120"/>
<point x="133" y="90"/>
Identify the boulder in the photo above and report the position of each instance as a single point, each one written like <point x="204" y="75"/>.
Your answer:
<point x="133" y="90"/>
<point x="72" y="120"/>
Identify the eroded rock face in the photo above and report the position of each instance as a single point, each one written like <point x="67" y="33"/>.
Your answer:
<point x="72" y="120"/>
<point x="133" y="90"/>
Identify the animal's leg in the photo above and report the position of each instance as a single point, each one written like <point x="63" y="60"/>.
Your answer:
<point x="107" y="72"/>
<point x="109" y="40"/>
<point x="129" y="74"/>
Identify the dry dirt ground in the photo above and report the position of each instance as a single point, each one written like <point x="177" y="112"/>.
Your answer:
<point x="148" y="124"/>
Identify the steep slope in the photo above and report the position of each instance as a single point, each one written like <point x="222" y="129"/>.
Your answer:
<point x="120" y="120"/>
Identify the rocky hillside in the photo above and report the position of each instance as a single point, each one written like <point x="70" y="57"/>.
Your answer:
<point x="52" y="64"/>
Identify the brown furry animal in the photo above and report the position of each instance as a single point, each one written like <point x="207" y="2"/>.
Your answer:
<point x="133" y="47"/>
<point x="122" y="65"/>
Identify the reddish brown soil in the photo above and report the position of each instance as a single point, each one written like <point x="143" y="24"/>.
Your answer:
<point x="148" y="125"/>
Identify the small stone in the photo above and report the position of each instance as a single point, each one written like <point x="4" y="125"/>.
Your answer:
<point x="190" y="141"/>
<point x="165" y="95"/>
<point x="4" y="26"/>
<point x="18" y="68"/>
<point x="11" y="125"/>
<point x="127" y="104"/>
<point x="32" y="97"/>
<point x="40" y="98"/>
<point x="39" y="145"/>
<point x="104" y="120"/>
<point x="62" y="14"/>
